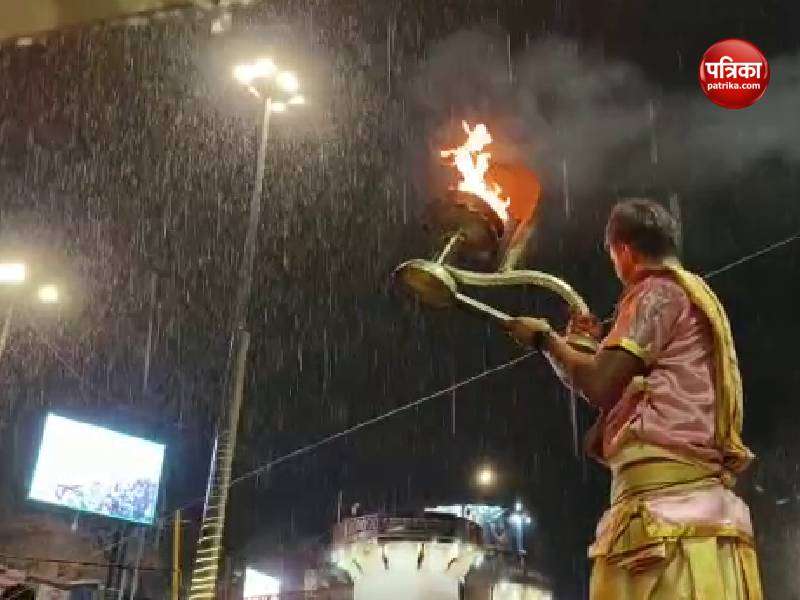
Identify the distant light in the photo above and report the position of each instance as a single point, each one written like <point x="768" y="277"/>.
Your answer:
<point x="258" y="584"/>
<point x="506" y="590"/>
<point x="48" y="294"/>
<point x="221" y="24"/>
<point x="278" y="107"/>
<point x="262" y="68"/>
<point x="12" y="273"/>
<point x="288" y="82"/>
<point x="518" y="506"/>
<point x="485" y="476"/>
<point x="297" y="100"/>
<point x="243" y="73"/>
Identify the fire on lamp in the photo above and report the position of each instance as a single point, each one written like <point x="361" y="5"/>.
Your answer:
<point x="479" y="220"/>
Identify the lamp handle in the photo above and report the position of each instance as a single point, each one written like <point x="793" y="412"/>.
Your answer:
<point x="537" y="278"/>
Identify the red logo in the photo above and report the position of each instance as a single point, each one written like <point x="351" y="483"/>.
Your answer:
<point x="734" y="73"/>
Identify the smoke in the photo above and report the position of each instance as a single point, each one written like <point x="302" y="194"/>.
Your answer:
<point x="710" y="144"/>
<point x="555" y="106"/>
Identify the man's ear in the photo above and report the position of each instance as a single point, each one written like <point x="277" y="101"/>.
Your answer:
<point x="630" y="252"/>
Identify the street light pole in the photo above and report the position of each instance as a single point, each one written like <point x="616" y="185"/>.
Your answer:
<point x="246" y="270"/>
<point x="206" y="570"/>
<point x="263" y="79"/>
<point x="16" y="274"/>
<point x="6" y="328"/>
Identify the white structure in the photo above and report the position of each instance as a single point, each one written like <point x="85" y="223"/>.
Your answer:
<point x="413" y="558"/>
<point x="260" y="585"/>
<point x="505" y="590"/>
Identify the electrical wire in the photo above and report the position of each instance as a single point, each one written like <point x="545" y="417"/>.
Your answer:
<point x="167" y="516"/>
<point x="478" y="376"/>
<point x="382" y="417"/>
<point x="752" y="255"/>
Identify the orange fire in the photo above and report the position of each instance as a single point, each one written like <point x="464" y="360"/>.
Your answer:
<point x="472" y="164"/>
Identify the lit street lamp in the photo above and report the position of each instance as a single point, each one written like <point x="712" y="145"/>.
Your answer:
<point x="15" y="275"/>
<point x="48" y="294"/>
<point x="12" y="273"/>
<point x="277" y="90"/>
<point x="485" y="477"/>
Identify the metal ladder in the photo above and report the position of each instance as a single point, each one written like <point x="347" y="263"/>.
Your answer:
<point x="209" y="545"/>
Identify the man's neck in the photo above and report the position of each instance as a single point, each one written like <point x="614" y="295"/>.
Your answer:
<point x="650" y="265"/>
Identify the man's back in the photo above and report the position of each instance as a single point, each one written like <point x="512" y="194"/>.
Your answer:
<point x="673" y="403"/>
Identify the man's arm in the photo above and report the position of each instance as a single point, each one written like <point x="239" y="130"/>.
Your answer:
<point x="644" y="325"/>
<point x="600" y="377"/>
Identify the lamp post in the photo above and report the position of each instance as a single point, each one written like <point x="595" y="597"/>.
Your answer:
<point x="519" y="519"/>
<point x="277" y="90"/>
<point x="15" y="275"/>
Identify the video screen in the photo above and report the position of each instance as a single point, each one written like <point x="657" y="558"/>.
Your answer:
<point x="93" y="469"/>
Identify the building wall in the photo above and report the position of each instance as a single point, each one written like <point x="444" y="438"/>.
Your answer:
<point x="44" y="545"/>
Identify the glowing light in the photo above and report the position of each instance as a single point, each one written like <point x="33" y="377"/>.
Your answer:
<point x="278" y="107"/>
<point x="243" y="73"/>
<point x="262" y="68"/>
<point x="48" y="294"/>
<point x="258" y="584"/>
<point x="221" y="24"/>
<point x="12" y="273"/>
<point x="297" y="100"/>
<point x="287" y="82"/>
<point x="473" y="163"/>
<point x="518" y="506"/>
<point x="485" y="476"/>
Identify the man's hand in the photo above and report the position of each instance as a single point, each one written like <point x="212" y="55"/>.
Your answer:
<point x="528" y="331"/>
<point x="584" y="332"/>
<point x="601" y="377"/>
<point x="586" y="325"/>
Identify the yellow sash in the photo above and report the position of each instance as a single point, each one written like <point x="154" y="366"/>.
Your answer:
<point x="728" y="383"/>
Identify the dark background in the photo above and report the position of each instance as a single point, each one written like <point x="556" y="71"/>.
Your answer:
<point x="130" y="151"/>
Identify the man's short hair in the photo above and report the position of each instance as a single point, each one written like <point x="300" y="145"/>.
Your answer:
<point x="645" y="225"/>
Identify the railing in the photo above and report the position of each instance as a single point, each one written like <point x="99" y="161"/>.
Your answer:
<point x="383" y="527"/>
<point x="336" y="593"/>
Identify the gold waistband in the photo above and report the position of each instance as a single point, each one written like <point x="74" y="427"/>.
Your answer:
<point x="642" y="471"/>
<point x="641" y="468"/>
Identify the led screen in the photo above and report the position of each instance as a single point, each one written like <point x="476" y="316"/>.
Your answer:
<point x="93" y="469"/>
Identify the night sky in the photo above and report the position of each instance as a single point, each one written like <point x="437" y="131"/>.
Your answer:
<point x="129" y="153"/>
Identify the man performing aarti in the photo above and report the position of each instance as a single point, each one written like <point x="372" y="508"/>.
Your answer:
<point x="666" y="383"/>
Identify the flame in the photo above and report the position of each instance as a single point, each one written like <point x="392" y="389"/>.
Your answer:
<point x="473" y="163"/>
